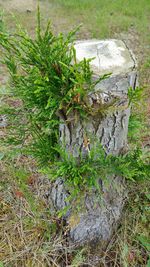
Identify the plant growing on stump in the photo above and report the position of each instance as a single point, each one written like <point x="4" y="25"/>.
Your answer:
<point x="51" y="84"/>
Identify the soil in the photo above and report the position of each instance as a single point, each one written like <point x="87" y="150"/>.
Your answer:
<point x="27" y="9"/>
<point x="19" y="5"/>
<point x="39" y="185"/>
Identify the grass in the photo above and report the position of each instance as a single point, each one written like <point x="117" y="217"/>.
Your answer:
<point x="29" y="234"/>
<point x="28" y="229"/>
<point x="32" y="236"/>
<point x="104" y="18"/>
<point x="135" y="224"/>
<point x="101" y="19"/>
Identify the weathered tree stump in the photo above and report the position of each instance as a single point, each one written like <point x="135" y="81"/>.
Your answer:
<point x="111" y="56"/>
<point x="97" y="221"/>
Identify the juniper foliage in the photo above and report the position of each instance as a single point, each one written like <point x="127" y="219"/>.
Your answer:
<point x="50" y="83"/>
<point x="46" y="76"/>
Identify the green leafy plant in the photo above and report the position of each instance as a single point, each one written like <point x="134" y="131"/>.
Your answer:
<point x="145" y="242"/>
<point x="148" y="263"/>
<point x="98" y="166"/>
<point x="134" y="95"/>
<point x="31" y="235"/>
<point x="50" y="84"/>
<point x="49" y="81"/>
<point x="136" y="125"/>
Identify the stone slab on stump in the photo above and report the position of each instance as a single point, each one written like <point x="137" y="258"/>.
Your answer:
<point x="97" y="222"/>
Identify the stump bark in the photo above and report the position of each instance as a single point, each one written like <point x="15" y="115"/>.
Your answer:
<point x="97" y="221"/>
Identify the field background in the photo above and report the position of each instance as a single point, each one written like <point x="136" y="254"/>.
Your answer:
<point x="26" y="239"/>
<point x="125" y="19"/>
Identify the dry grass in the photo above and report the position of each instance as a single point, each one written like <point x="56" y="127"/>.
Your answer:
<point x="30" y="232"/>
<point x="126" y="250"/>
<point x="30" y="235"/>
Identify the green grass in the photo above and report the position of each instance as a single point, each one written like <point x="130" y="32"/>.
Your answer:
<point x="104" y="18"/>
<point x="101" y="19"/>
<point x="25" y="240"/>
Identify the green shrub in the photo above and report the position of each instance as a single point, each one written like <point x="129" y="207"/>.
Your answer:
<point x="49" y="81"/>
<point x="89" y="172"/>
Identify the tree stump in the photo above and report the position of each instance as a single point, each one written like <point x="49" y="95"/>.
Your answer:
<point x="97" y="222"/>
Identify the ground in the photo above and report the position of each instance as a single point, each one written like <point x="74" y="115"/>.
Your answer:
<point x="26" y="235"/>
